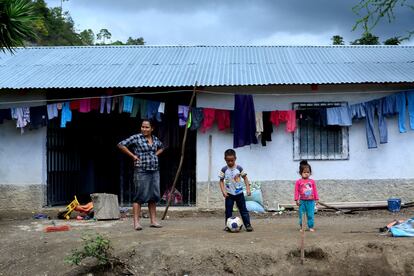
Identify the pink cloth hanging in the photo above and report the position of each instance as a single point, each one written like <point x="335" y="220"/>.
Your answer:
<point x="288" y="116"/>
<point x="208" y="121"/>
<point x="84" y="105"/>
<point x="223" y="119"/>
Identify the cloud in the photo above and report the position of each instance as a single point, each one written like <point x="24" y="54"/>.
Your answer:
<point x="226" y="22"/>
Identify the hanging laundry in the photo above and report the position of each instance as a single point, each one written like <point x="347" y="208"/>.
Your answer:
<point x="5" y="114"/>
<point x="357" y="111"/>
<point x="152" y="109"/>
<point x="190" y="119"/>
<point x="85" y="105"/>
<point x="321" y="117"/>
<point x="401" y="106"/>
<point x="209" y="115"/>
<point x="338" y="116"/>
<point x="95" y="104"/>
<point x="114" y="103"/>
<point x="168" y="129"/>
<point x="259" y="124"/>
<point x="38" y="116"/>
<point x="135" y="107"/>
<point x="182" y="115"/>
<point x="74" y="105"/>
<point x="66" y="115"/>
<point x="267" y="128"/>
<point x="161" y="108"/>
<point x="244" y="121"/>
<point x="106" y="103"/>
<point x="390" y="105"/>
<point x="410" y="103"/>
<point x="371" y="108"/>
<point x="160" y="111"/>
<point x="22" y="115"/>
<point x="52" y="111"/>
<point x="128" y="104"/>
<point x="143" y="109"/>
<point x="197" y="117"/>
<point x="223" y="119"/>
<point x="120" y="104"/>
<point x="231" y="121"/>
<point x="288" y="116"/>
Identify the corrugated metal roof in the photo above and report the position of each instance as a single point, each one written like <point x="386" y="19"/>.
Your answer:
<point x="174" y="66"/>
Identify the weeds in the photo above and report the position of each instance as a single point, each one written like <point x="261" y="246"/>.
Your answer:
<point x="97" y="247"/>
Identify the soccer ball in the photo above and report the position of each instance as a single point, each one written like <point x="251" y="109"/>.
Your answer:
<point x="234" y="224"/>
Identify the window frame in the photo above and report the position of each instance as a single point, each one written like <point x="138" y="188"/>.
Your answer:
<point x="297" y="155"/>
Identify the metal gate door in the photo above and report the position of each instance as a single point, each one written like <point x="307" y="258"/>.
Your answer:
<point x="63" y="165"/>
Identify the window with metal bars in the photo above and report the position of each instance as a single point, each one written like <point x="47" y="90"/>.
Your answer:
<point x="314" y="140"/>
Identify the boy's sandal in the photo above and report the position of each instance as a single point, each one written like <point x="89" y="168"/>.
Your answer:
<point x="156" y="225"/>
<point x="138" y="227"/>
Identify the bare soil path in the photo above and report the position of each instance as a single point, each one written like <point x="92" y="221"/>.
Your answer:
<point x="193" y="243"/>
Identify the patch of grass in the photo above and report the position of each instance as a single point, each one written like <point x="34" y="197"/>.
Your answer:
<point x="97" y="247"/>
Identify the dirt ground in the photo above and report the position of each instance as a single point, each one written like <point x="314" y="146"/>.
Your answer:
<point x="193" y="243"/>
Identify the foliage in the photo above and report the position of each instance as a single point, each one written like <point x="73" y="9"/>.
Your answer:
<point x="136" y="41"/>
<point x="337" y="40"/>
<point x="54" y="27"/>
<point x="366" y="39"/>
<point x="16" y="17"/>
<point x="392" y="41"/>
<point x="93" y="246"/>
<point x="87" y="37"/>
<point x="32" y="22"/>
<point x="103" y="34"/>
<point x="370" y="12"/>
<point x="130" y="41"/>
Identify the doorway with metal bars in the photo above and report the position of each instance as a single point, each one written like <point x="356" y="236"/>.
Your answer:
<point x="83" y="158"/>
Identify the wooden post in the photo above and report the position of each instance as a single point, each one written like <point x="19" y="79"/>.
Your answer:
<point x="210" y="144"/>
<point x="177" y="174"/>
<point x="302" y="242"/>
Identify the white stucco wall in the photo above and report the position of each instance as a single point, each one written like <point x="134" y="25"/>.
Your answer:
<point x="22" y="156"/>
<point x="275" y="161"/>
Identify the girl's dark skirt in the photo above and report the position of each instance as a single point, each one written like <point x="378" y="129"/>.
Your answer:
<point x="147" y="186"/>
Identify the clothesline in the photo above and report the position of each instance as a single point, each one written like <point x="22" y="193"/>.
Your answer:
<point x="205" y="117"/>
<point x="304" y="94"/>
<point x="93" y="97"/>
<point x="198" y="91"/>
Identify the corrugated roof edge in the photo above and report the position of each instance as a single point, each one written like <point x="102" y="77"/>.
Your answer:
<point x="200" y="85"/>
<point x="217" y="46"/>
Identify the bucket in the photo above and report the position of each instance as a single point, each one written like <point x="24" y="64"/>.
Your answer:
<point x="394" y="204"/>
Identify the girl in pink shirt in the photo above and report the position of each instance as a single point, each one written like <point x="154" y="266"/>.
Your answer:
<point x="306" y="194"/>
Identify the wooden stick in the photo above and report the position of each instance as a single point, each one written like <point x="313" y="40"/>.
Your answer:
<point x="210" y="145"/>
<point x="302" y="242"/>
<point x="177" y="174"/>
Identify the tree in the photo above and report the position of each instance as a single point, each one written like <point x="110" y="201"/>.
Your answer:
<point x="137" y="41"/>
<point x="87" y="37"/>
<point x="103" y="34"/>
<point x="373" y="11"/>
<point x="118" y="42"/>
<point x="366" y="39"/>
<point x="337" y="40"/>
<point x="16" y="17"/>
<point x="392" y="41"/>
<point x="54" y="27"/>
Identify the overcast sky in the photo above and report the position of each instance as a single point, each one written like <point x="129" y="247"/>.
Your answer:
<point x="228" y="22"/>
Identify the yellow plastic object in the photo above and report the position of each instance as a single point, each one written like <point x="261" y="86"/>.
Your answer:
<point x="70" y="208"/>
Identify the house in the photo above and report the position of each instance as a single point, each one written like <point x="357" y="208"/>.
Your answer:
<point x="49" y="165"/>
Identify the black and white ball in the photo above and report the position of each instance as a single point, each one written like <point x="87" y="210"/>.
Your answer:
<point x="234" y="224"/>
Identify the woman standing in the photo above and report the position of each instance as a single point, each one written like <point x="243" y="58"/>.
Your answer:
<point x="143" y="149"/>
